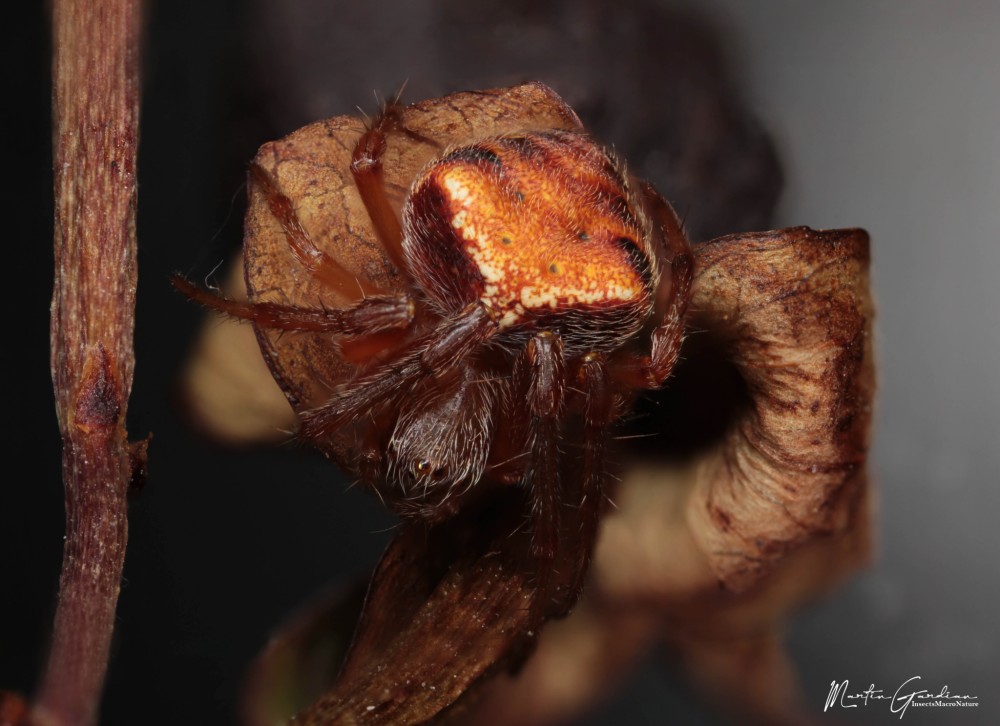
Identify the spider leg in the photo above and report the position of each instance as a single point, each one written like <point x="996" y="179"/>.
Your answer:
<point x="594" y="381"/>
<point x="371" y="315"/>
<point x="319" y="264"/>
<point x="436" y="353"/>
<point x="546" y="372"/>
<point x="366" y="168"/>
<point x="671" y="302"/>
<point x="676" y="247"/>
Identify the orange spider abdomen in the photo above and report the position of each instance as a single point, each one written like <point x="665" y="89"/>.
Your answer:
<point x="533" y="227"/>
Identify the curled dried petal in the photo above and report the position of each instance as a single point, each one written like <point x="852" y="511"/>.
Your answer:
<point x="794" y="310"/>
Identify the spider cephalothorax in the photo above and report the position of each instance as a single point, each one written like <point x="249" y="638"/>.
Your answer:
<point x="542" y="286"/>
<point x="541" y="230"/>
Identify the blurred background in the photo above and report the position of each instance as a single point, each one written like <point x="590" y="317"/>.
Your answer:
<point x="883" y="115"/>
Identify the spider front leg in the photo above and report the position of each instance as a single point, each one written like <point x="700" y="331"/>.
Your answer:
<point x="437" y="353"/>
<point x="320" y="265"/>
<point x="366" y="317"/>
<point x="366" y="168"/>
<point x="544" y="376"/>
<point x="593" y="380"/>
<point x="670" y="303"/>
<point x="546" y="389"/>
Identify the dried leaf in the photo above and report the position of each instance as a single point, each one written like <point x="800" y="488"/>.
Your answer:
<point x="443" y="610"/>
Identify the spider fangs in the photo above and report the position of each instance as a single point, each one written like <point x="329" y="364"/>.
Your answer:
<point x="544" y="287"/>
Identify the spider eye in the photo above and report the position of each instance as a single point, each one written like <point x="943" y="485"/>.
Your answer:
<point x="424" y="468"/>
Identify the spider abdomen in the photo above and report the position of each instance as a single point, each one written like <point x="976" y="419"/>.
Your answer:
<point x="538" y="228"/>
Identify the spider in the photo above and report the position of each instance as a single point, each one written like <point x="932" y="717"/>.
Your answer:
<point x="544" y="288"/>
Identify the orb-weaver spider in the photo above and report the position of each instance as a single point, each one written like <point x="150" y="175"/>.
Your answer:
<point x="542" y="288"/>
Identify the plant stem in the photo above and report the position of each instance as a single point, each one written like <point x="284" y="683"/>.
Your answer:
<point x="95" y="118"/>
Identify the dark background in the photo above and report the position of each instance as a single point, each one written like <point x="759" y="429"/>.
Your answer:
<point x="885" y="116"/>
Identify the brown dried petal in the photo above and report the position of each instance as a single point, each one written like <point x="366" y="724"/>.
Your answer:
<point x="795" y="310"/>
<point x="443" y="611"/>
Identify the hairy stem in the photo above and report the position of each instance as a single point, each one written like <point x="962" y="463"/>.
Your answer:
<point x="95" y="117"/>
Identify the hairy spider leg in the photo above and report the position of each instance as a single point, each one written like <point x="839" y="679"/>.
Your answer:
<point x="371" y="315"/>
<point x="366" y="167"/>
<point x="319" y="264"/>
<point x="652" y="371"/>
<point x="675" y="248"/>
<point x="594" y="381"/>
<point x="436" y="353"/>
<point x="545" y="373"/>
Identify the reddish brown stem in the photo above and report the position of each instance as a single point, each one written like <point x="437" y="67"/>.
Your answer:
<point x="95" y="118"/>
